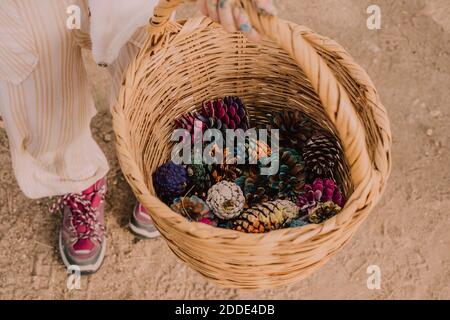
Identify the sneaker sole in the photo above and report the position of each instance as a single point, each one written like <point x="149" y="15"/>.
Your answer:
<point x="142" y="233"/>
<point x="86" y="269"/>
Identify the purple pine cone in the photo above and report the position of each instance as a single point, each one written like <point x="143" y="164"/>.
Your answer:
<point x="170" y="181"/>
<point x="221" y="114"/>
<point x="321" y="191"/>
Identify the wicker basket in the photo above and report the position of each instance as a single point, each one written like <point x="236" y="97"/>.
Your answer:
<point x="185" y="63"/>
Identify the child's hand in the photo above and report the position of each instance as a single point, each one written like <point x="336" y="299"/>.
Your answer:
<point x="234" y="18"/>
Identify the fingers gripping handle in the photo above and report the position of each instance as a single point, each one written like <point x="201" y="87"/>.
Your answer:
<point x="165" y="8"/>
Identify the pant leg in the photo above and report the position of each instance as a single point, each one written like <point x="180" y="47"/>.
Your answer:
<point x="47" y="116"/>
<point x="118" y="69"/>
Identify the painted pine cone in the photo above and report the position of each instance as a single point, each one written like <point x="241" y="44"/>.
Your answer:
<point x="320" y="201"/>
<point x="250" y="151"/>
<point x="224" y="172"/>
<point x="295" y="128"/>
<point x="221" y="114"/>
<point x="321" y="191"/>
<point x="290" y="179"/>
<point x="322" y="155"/>
<point x="210" y="220"/>
<point x="229" y="170"/>
<point x="199" y="179"/>
<point x="226" y="200"/>
<point x="236" y="114"/>
<point x="323" y="212"/>
<point x="253" y="190"/>
<point x="267" y="217"/>
<point x="170" y="181"/>
<point x="192" y="208"/>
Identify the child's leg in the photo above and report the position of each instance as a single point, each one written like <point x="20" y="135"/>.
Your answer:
<point x="47" y="116"/>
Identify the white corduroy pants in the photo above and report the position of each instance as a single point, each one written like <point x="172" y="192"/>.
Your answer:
<point x="45" y="100"/>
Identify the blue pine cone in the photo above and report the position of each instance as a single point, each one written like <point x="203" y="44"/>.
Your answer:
<point x="170" y="181"/>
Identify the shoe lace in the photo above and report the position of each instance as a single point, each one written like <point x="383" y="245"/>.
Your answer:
<point x="83" y="214"/>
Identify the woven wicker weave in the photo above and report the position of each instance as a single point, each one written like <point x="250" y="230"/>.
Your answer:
<point x="184" y="63"/>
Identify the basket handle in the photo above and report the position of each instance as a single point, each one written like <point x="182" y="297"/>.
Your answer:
<point x="161" y="16"/>
<point x="332" y="94"/>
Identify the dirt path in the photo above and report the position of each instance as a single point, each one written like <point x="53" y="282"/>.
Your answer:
<point x="407" y="235"/>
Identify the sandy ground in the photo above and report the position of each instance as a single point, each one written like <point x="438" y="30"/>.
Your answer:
<point x="407" y="235"/>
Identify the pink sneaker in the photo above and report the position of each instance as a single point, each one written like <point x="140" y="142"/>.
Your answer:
<point x="141" y="224"/>
<point x="82" y="240"/>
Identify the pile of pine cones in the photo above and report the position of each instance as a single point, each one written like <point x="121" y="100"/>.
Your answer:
<point x="236" y="196"/>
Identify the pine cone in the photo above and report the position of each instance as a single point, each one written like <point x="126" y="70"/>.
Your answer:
<point x="170" y="181"/>
<point x="295" y="128"/>
<point x="254" y="193"/>
<point x="229" y="170"/>
<point x="193" y="208"/>
<point x="267" y="217"/>
<point x="324" y="211"/>
<point x="231" y="111"/>
<point x="199" y="179"/>
<point x="251" y="151"/>
<point x="322" y="191"/>
<point x="331" y="192"/>
<point x="290" y="179"/>
<point x="226" y="200"/>
<point x="322" y="155"/>
<point x="258" y="150"/>
<point x="210" y="220"/>
<point x="221" y="114"/>
<point x="232" y="166"/>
